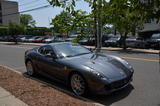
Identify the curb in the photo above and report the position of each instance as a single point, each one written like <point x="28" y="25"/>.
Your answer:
<point x="103" y="48"/>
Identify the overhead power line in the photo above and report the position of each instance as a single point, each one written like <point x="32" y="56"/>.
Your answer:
<point x="38" y="8"/>
<point x="28" y="2"/>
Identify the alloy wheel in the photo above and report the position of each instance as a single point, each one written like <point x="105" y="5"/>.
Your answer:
<point x="29" y="68"/>
<point x="78" y="84"/>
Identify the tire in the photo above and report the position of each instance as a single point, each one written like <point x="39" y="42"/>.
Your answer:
<point x="78" y="84"/>
<point x="30" y="68"/>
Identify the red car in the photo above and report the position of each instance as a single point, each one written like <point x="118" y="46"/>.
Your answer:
<point x="40" y="40"/>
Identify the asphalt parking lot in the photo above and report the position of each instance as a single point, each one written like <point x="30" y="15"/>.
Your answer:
<point x="144" y="90"/>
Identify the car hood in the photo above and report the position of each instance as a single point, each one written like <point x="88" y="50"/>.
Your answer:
<point x="107" y="65"/>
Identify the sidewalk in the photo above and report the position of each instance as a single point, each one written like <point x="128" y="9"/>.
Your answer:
<point x="7" y="99"/>
<point x="134" y="50"/>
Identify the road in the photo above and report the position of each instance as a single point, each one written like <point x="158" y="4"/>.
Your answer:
<point x="144" y="90"/>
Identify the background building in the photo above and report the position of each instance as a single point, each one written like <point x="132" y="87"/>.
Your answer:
<point x="151" y="26"/>
<point x="9" y="12"/>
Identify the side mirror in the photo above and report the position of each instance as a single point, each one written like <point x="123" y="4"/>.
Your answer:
<point x="51" y="56"/>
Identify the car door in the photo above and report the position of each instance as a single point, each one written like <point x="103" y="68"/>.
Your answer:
<point x="49" y="64"/>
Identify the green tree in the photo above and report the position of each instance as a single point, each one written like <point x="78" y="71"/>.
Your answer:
<point x="15" y="29"/>
<point x="82" y="22"/>
<point x="27" y="20"/>
<point x="39" y="31"/>
<point x="62" y="22"/>
<point x="79" y="21"/>
<point x="124" y="16"/>
<point x="151" y="10"/>
<point x="3" y="30"/>
<point x="97" y="7"/>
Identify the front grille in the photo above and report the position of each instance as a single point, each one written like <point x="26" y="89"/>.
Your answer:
<point x="118" y="84"/>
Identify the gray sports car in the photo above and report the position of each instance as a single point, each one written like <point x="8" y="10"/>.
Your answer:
<point x="80" y="68"/>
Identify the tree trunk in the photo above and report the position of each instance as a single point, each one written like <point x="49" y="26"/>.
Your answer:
<point x="124" y="41"/>
<point x="115" y="32"/>
<point x="95" y="30"/>
<point x="99" y="34"/>
<point x="95" y="22"/>
<point x="14" y="39"/>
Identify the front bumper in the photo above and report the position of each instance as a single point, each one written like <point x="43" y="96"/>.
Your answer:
<point x="107" y="88"/>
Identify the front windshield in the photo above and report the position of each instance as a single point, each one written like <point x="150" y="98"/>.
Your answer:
<point x="70" y="49"/>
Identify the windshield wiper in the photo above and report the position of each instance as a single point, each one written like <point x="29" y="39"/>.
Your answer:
<point x="69" y="56"/>
<point x="77" y="54"/>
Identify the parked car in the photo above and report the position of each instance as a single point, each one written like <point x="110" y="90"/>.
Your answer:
<point x="79" y="67"/>
<point x="49" y="39"/>
<point x="84" y="41"/>
<point x="25" y="38"/>
<point x="131" y="42"/>
<point x="40" y="39"/>
<point x="11" y="38"/>
<point x="135" y="42"/>
<point x="3" y="38"/>
<point x="104" y="38"/>
<point x="71" y="38"/>
<point x="32" y="39"/>
<point x="154" y="41"/>
<point x="141" y="43"/>
<point x="113" y="41"/>
<point x="59" y="39"/>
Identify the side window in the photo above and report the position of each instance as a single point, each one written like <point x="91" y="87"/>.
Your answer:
<point x="48" y="51"/>
<point x="41" y="50"/>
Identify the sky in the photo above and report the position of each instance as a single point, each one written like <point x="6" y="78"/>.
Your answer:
<point x="43" y="16"/>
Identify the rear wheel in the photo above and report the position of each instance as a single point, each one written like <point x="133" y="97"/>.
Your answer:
<point x="78" y="84"/>
<point x="30" y="68"/>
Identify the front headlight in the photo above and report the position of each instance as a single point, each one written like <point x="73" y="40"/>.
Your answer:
<point x="95" y="73"/>
<point x="98" y="75"/>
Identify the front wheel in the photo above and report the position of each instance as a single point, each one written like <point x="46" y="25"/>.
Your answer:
<point x="78" y="84"/>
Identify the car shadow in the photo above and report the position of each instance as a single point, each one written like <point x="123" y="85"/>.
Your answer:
<point x="107" y="100"/>
<point x="102" y="99"/>
<point x="54" y="84"/>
